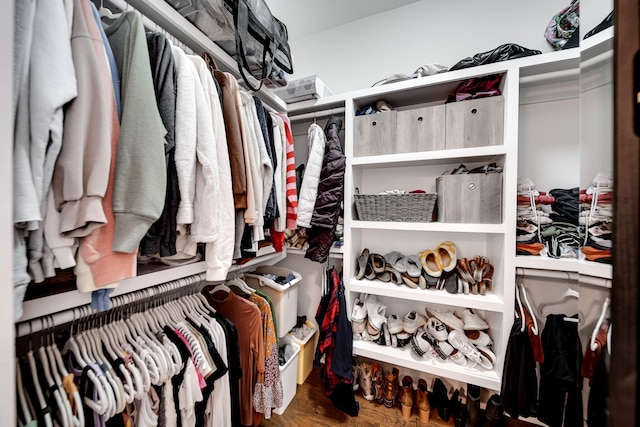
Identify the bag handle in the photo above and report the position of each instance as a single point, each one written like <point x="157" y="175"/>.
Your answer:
<point x="242" y="33"/>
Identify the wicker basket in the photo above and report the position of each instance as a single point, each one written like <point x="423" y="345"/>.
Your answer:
<point x="414" y="207"/>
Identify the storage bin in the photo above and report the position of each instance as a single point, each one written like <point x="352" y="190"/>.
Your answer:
<point x="413" y="207"/>
<point x="303" y="89"/>
<point x="470" y="198"/>
<point x="307" y="353"/>
<point x="420" y="129"/>
<point x="284" y="297"/>
<point x="374" y="134"/>
<point x="288" y="375"/>
<point x="475" y="123"/>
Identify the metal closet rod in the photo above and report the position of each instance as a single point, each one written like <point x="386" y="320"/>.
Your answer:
<point x="564" y="275"/>
<point x="78" y="313"/>
<point x="317" y="114"/>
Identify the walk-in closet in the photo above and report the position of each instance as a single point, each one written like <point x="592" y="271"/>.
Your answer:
<point x="405" y="212"/>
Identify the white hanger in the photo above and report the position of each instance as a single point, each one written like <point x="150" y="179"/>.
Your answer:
<point x="520" y="310"/>
<point x="22" y="399"/>
<point x="569" y="293"/>
<point x="62" y="411"/>
<point x="609" y="339"/>
<point x="605" y="306"/>
<point x="535" y="329"/>
<point x="42" y="403"/>
<point x="51" y="371"/>
<point x="105" y="12"/>
<point x="240" y="285"/>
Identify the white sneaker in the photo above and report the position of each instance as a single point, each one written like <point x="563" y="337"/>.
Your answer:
<point x="458" y="357"/>
<point x="459" y="340"/>
<point x="395" y="324"/>
<point x="375" y="312"/>
<point x="413" y="321"/>
<point x="488" y="358"/>
<point x="359" y="312"/>
<point x="443" y="349"/>
<point x="449" y="318"/>
<point x="437" y="329"/>
<point x="473" y="322"/>
<point x="479" y="338"/>
<point x="421" y="346"/>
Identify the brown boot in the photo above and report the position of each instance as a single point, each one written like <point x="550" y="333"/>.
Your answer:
<point x="422" y="401"/>
<point x="390" y="388"/>
<point x="378" y="381"/>
<point x="407" y="397"/>
<point x="365" y="380"/>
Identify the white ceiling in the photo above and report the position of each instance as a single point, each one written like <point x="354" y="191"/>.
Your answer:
<point x="306" y="17"/>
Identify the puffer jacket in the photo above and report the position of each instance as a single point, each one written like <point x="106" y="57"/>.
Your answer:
<point x="310" y="181"/>
<point x="330" y="193"/>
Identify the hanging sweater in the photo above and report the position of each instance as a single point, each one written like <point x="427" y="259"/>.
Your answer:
<point x="291" y="189"/>
<point x="140" y="180"/>
<point x="219" y="253"/>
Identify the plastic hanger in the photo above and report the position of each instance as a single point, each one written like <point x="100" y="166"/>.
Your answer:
<point x="605" y="306"/>
<point x="53" y="387"/>
<point x="609" y="339"/>
<point x="53" y="377"/>
<point x="22" y="398"/>
<point x="520" y="310"/>
<point x="527" y="306"/>
<point x="241" y="285"/>
<point x="42" y="403"/>
<point x="106" y="13"/>
<point x="569" y="293"/>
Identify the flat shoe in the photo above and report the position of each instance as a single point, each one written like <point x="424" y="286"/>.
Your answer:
<point x="396" y="260"/>
<point x="411" y="282"/>
<point x="361" y="264"/>
<point x="446" y="256"/>
<point x="413" y="266"/>
<point x="378" y="263"/>
<point x="429" y="263"/>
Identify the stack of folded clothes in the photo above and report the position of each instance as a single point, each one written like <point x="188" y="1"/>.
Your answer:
<point x="562" y="238"/>
<point x="530" y="218"/>
<point x="597" y="216"/>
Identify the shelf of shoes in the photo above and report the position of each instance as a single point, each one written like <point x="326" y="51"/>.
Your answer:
<point x="404" y="357"/>
<point x="489" y="301"/>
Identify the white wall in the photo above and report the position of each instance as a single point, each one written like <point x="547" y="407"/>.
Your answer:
<point x="356" y="55"/>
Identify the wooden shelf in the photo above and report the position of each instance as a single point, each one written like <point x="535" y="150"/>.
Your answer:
<point x="447" y="369"/>
<point x="489" y="302"/>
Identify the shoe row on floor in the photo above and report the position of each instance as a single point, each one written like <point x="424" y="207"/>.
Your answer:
<point x="440" y="268"/>
<point x="385" y="387"/>
<point x="436" y="335"/>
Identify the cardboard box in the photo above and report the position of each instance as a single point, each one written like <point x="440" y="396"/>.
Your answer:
<point x="470" y="198"/>
<point x="303" y="89"/>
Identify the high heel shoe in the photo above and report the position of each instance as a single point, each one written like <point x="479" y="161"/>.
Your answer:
<point x="406" y="400"/>
<point x="422" y="401"/>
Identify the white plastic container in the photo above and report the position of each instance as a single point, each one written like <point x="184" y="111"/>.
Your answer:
<point x="303" y="89"/>
<point x="284" y="297"/>
<point x="288" y="374"/>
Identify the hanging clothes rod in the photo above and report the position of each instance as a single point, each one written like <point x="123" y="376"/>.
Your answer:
<point x="77" y="313"/>
<point x="317" y="114"/>
<point x="564" y="275"/>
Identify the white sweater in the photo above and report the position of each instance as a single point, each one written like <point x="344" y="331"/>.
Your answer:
<point x="219" y="254"/>
<point x="311" y="179"/>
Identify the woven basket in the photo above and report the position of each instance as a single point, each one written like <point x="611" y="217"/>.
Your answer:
<point x="414" y="207"/>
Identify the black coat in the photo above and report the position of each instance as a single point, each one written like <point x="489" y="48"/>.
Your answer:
<point x="330" y="192"/>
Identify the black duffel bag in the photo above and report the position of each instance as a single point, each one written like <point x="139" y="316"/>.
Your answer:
<point x="246" y="30"/>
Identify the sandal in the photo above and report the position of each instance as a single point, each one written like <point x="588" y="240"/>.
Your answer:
<point x="361" y="264"/>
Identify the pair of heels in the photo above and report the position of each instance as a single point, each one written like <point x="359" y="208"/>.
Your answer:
<point x="476" y="275"/>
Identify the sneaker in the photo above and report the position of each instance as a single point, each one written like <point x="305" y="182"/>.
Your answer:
<point x="459" y="340"/>
<point x="437" y="329"/>
<point x="488" y="357"/>
<point x="358" y="327"/>
<point x="374" y="334"/>
<point x="386" y="335"/>
<point x="449" y="318"/>
<point x="421" y="346"/>
<point x="394" y="323"/>
<point x="413" y="321"/>
<point x="479" y="338"/>
<point x="443" y="349"/>
<point x="375" y="312"/>
<point x="473" y="322"/>
<point x="459" y="358"/>
<point x="403" y="338"/>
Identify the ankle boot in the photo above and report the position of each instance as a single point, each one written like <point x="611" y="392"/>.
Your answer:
<point x="390" y="388"/>
<point x="422" y="401"/>
<point x="494" y="414"/>
<point x="473" y="406"/>
<point x="440" y="399"/>
<point x="406" y="400"/>
<point x="378" y="381"/>
<point x="366" y="384"/>
<point x="456" y="409"/>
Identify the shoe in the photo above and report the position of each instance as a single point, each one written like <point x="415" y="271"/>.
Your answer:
<point x="421" y="345"/>
<point x="494" y="412"/>
<point x="410" y="281"/>
<point x="375" y="312"/>
<point x="473" y="406"/>
<point x="403" y="339"/>
<point x="359" y="312"/>
<point x="479" y="338"/>
<point x="395" y="259"/>
<point x="464" y="270"/>
<point x="458" y="357"/>
<point x="449" y="318"/>
<point x="443" y="349"/>
<point x="430" y="263"/>
<point x="460" y="341"/>
<point x="412" y="265"/>
<point x="437" y="329"/>
<point x="395" y="324"/>
<point x="446" y="256"/>
<point x="386" y="336"/>
<point x="406" y="400"/>
<point x="378" y="381"/>
<point x="394" y="275"/>
<point x="488" y="359"/>
<point x="451" y="282"/>
<point x="366" y="384"/>
<point x="354" y="377"/>
<point x="394" y="341"/>
<point x="378" y="263"/>
<point x="371" y="333"/>
<point x="413" y="321"/>
<point x="390" y="388"/>
<point x="473" y="322"/>
<point x="359" y="327"/>
<point x="440" y="398"/>
<point x="422" y="401"/>
<point x="361" y="264"/>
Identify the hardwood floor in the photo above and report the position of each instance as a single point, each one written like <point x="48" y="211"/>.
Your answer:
<point x="311" y="407"/>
